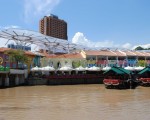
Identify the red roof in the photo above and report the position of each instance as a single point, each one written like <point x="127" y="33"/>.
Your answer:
<point x="3" y="49"/>
<point x="140" y="54"/>
<point x="100" y="52"/>
<point x="71" y="55"/>
<point x="29" y="53"/>
<point x="120" y="53"/>
<point x="129" y="53"/>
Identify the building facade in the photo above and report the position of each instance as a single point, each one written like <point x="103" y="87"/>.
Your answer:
<point x="53" y="26"/>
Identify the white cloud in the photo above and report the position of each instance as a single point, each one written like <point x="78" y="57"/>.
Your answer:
<point x="36" y="8"/>
<point x="127" y="46"/>
<point x="80" y="39"/>
<point x="9" y="26"/>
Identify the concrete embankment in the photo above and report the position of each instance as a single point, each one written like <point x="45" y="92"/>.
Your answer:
<point x="65" y="80"/>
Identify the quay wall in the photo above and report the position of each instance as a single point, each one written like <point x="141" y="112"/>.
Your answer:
<point x="65" y="80"/>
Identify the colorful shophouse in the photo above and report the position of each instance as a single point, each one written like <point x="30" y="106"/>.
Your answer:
<point x="4" y="59"/>
<point x="120" y="58"/>
<point x="100" y="58"/>
<point x="60" y="60"/>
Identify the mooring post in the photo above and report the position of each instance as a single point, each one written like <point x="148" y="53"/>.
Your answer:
<point x="7" y="81"/>
<point x="17" y="80"/>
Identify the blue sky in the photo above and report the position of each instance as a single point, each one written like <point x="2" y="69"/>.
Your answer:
<point x="95" y="23"/>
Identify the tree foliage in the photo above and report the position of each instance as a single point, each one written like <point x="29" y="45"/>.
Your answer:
<point x="141" y="48"/>
<point x="17" y="56"/>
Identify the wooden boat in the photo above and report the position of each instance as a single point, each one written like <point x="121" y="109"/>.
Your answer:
<point x="145" y="81"/>
<point x="113" y="83"/>
<point x="144" y="76"/>
<point x="119" y="78"/>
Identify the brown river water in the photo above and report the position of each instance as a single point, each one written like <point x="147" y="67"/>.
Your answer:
<point x="74" y="102"/>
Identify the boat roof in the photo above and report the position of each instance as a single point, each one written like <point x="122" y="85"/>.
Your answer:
<point x="117" y="70"/>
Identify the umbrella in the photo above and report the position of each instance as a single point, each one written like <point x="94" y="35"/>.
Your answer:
<point x="129" y="68"/>
<point x="139" y="68"/>
<point x="48" y="68"/>
<point x="80" y="68"/>
<point x="106" y="68"/>
<point x="65" y="68"/>
<point x="94" y="68"/>
<point x="35" y="68"/>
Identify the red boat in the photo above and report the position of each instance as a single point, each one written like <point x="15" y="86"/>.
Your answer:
<point x="145" y="81"/>
<point x="118" y="78"/>
<point x="144" y="76"/>
<point x="113" y="83"/>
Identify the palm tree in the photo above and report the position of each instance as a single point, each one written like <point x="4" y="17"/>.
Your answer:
<point x="17" y="56"/>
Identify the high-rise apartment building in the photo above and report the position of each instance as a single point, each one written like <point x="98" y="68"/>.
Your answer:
<point x="53" y="26"/>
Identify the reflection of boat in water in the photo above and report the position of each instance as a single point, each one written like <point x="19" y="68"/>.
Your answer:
<point x="119" y="78"/>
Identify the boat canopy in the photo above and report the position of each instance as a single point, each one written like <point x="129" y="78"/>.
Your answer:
<point x="147" y="69"/>
<point x="117" y="70"/>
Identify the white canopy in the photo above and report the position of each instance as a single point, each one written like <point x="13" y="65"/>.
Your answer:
<point x="27" y="37"/>
<point x="48" y="68"/>
<point x="65" y="68"/>
<point x="80" y="68"/>
<point x="139" y="68"/>
<point x="35" y="68"/>
<point x="129" y="68"/>
<point x="106" y="68"/>
<point x="94" y="68"/>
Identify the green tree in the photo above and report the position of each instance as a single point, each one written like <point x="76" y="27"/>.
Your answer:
<point x="139" y="48"/>
<point x="17" y="56"/>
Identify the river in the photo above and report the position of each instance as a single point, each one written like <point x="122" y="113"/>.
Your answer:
<point x="74" y="102"/>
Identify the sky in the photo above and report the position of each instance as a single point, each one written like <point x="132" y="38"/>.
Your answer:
<point x="123" y="24"/>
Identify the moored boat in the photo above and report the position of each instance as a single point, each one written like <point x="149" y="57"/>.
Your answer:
<point x="144" y="77"/>
<point x="144" y="81"/>
<point x="119" y="78"/>
<point x="112" y="83"/>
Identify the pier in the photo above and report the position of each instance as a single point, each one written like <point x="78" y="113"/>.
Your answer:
<point x="12" y="77"/>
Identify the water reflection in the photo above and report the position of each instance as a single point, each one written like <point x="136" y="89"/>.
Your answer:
<point x="76" y="102"/>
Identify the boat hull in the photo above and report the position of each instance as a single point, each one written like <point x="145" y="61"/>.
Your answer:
<point x="145" y="82"/>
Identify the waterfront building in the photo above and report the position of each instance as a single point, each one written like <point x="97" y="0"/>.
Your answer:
<point x="72" y="60"/>
<point x="6" y="62"/>
<point x="104" y="58"/>
<point x="84" y="58"/>
<point x="53" y="26"/>
<point x="99" y="58"/>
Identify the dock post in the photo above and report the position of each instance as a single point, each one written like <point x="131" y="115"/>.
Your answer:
<point x="17" y="80"/>
<point x="0" y="81"/>
<point x="7" y="81"/>
<point x="130" y="84"/>
<point x="22" y="81"/>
